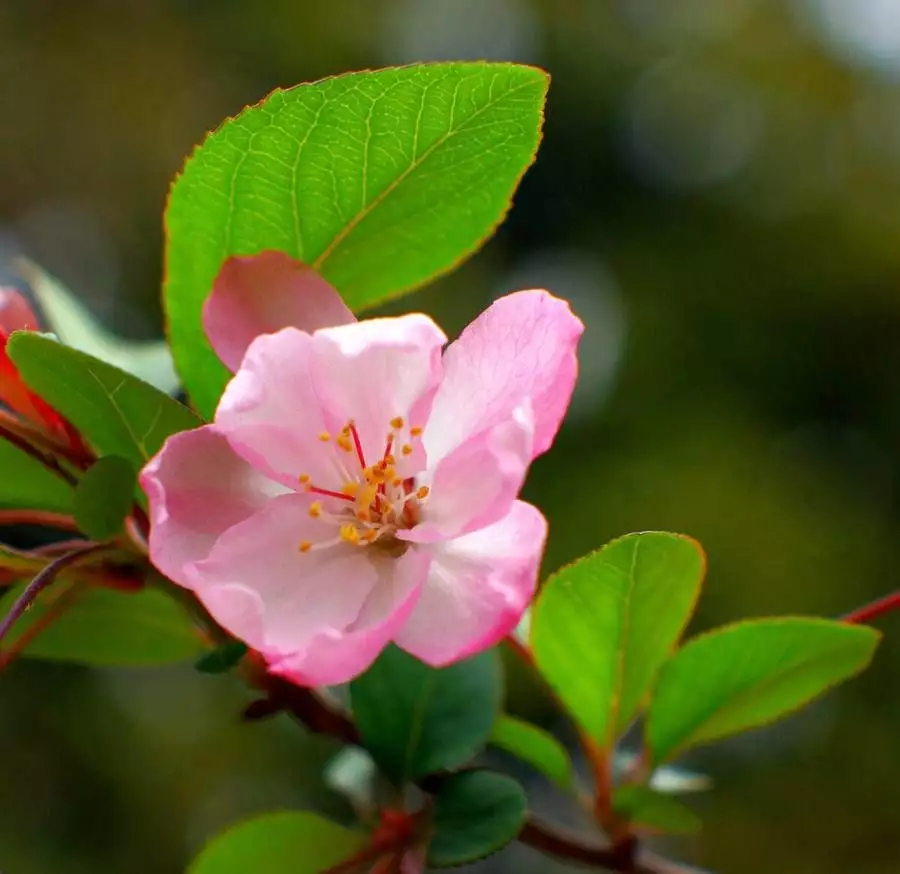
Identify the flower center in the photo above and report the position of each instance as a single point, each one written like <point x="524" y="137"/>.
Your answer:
<point x="374" y="501"/>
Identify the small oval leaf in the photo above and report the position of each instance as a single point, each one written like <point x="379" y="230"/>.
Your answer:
<point x="221" y="659"/>
<point x="749" y="674"/>
<point x="655" y="811"/>
<point x="537" y="747"/>
<point x="286" y="842"/>
<point x="104" y="497"/>
<point x="476" y="813"/>
<point x="415" y="720"/>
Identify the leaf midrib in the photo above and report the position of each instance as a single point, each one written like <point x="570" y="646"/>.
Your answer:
<point x="354" y="222"/>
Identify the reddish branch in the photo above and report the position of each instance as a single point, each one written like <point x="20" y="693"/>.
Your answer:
<point x="306" y="706"/>
<point x="868" y="612"/>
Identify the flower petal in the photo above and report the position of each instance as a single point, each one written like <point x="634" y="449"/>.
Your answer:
<point x="522" y="346"/>
<point x="337" y="657"/>
<point x="16" y="313"/>
<point x="262" y="589"/>
<point x="375" y="370"/>
<point x="272" y="415"/>
<point x="478" y="587"/>
<point x="197" y="489"/>
<point x="476" y="484"/>
<point x="261" y="294"/>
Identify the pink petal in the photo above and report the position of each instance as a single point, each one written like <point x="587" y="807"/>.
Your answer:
<point x="337" y="657"/>
<point x="261" y="294"/>
<point x="521" y="347"/>
<point x="375" y="370"/>
<point x="271" y="413"/>
<point x="260" y="587"/>
<point x="16" y="313"/>
<point x="478" y="587"/>
<point x="197" y="489"/>
<point x="476" y="484"/>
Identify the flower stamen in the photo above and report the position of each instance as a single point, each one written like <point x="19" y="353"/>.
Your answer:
<point x="359" y="451"/>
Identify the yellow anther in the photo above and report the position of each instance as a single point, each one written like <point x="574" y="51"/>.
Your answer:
<point x="397" y="423"/>
<point x="350" y="533"/>
<point x="305" y="545"/>
<point x="397" y="481"/>
<point x="370" y="535"/>
<point x="315" y="509"/>
<point x="350" y="488"/>
<point x="422" y="492"/>
<point x="407" y="449"/>
<point x="345" y="431"/>
<point x="304" y="478"/>
<point x="365" y="496"/>
<point x="389" y="459"/>
<point x="344" y="443"/>
<point x="324" y="436"/>
<point x="415" y="432"/>
<point x="363" y="515"/>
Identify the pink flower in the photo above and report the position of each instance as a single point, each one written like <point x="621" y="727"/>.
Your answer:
<point x="358" y="486"/>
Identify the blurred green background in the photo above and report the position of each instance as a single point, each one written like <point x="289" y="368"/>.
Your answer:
<point x="718" y="194"/>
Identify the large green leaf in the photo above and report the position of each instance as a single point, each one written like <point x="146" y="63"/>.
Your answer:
<point x="602" y="626"/>
<point x="749" y="674"/>
<point x="115" y="411"/>
<point x="379" y="180"/>
<point x="287" y="842"/>
<point x="475" y="814"/>
<point x="104" y="497"/>
<point x="656" y="811"/>
<point x="415" y="719"/>
<point x="537" y="747"/>
<point x="25" y="484"/>
<point x="107" y="627"/>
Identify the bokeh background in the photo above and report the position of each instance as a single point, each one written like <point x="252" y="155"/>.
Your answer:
<point x="718" y="194"/>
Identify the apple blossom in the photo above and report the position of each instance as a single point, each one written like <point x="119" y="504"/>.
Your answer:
<point x="359" y="485"/>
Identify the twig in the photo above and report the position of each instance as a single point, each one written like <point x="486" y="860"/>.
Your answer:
<point x="319" y="717"/>
<point x="45" y="518"/>
<point x="868" y="612"/>
<point x="54" y="611"/>
<point x="44" y="579"/>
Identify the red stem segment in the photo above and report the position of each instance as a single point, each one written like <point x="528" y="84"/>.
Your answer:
<point x="868" y="612"/>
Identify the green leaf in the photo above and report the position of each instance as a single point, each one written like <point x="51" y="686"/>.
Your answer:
<point x="76" y="326"/>
<point x="415" y="719"/>
<point x="537" y="747"/>
<point x="287" y="842"/>
<point x="653" y="810"/>
<point x="104" y="627"/>
<point x="475" y="814"/>
<point x="379" y="180"/>
<point x="602" y="626"/>
<point x="104" y="497"/>
<point x="222" y="658"/>
<point x="749" y="674"/>
<point x="27" y="485"/>
<point x="116" y="412"/>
